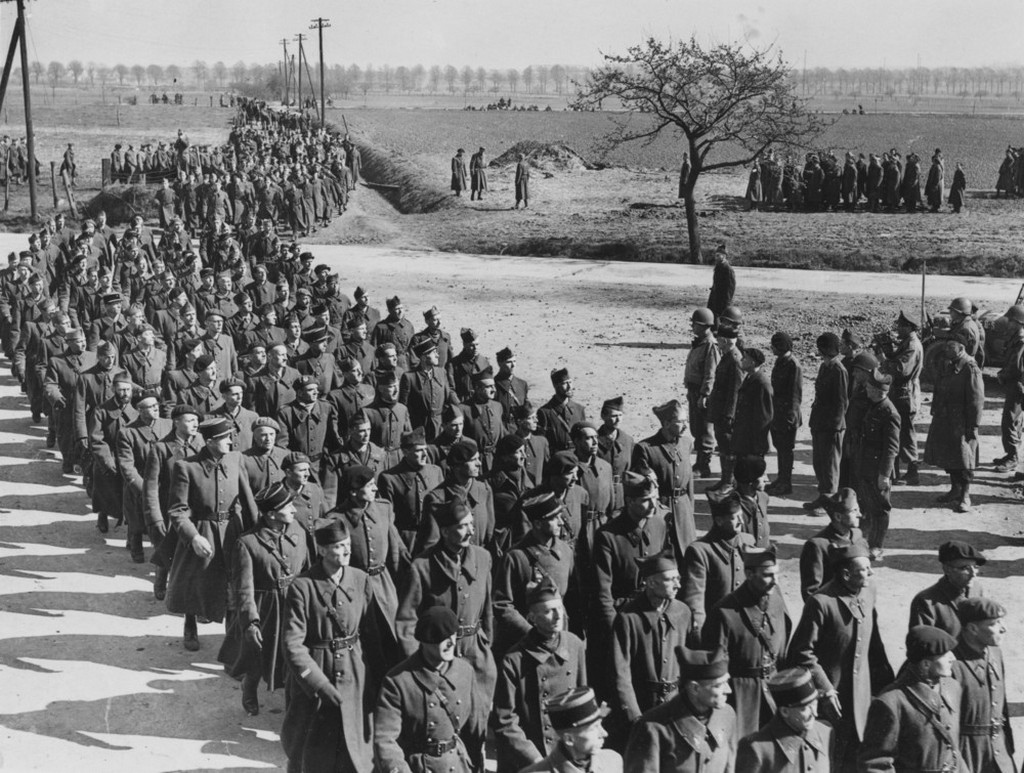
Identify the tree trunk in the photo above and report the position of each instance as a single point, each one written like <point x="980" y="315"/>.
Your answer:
<point x="692" y="225"/>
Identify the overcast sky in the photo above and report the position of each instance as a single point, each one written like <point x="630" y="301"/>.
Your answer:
<point x="515" y="33"/>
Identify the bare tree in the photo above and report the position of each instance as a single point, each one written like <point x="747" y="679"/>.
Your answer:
<point x="404" y="78"/>
<point x="238" y="71"/>
<point x="90" y="72"/>
<point x="220" y="72"/>
<point x="37" y="70"/>
<point x="542" y="79"/>
<point x="558" y="76"/>
<point x="528" y="79"/>
<point x="729" y="100"/>
<point x="55" y="74"/>
<point x="139" y="73"/>
<point x="417" y="74"/>
<point x="155" y="73"/>
<point x="76" y="69"/>
<point x="451" y="77"/>
<point x="386" y="76"/>
<point x="121" y="71"/>
<point x="513" y="80"/>
<point x="481" y="79"/>
<point x="174" y="73"/>
<point x="201" y="72"/>
<point x="497" y="80"/>
<point x="434" y="78"/>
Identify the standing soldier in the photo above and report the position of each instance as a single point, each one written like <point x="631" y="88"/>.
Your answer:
<point x="459" y="172"/>
<point x="389" y="419"/>
<point x="713" y="564"/>
<point x="699" y="376"/>
<point x="986" y="740"/>
<point x="694" y="731"/>
<point x="666" y="456"/>
<point x="844" y="519"/>
<point x="751" y="625"/>
<point x="267" y="560"/>
<point x="132" y="447"/>
<point x="262" y="460"/>
<point x="430" y="716"/>
<point x="914" y="723"/>
<point x="317" y="362"/>
<point x="828" y="420"/>
<point x="594" y="475"/>
<point x="477" y="176"/>
<point x="484" y="422"/>
<point x="208" y="491"/>
<point x="407" y="484"/>
<point x="462" y="483"/>
<point x="794" y="741"/>
<point x="330" y="643"/>
<point x="457" y="574"/>
<point x="510" y="390"/>
<point x="615" y="446"/>
<point x="754" y="408"/>
<point x="723" y="283"/>
<point x="59" y="384"/>
<point x="722" y="400"/>
<point x="522" y="182"/>
<point x="1011" y="375"/>
<point x="964" y="326"/>
<point x="395" y="329"/>
<point x="557" y="416"/>
<point x="509" y="481"/>
<point x="309" y="425"/>
<point x="537" y="450"/>
<point x="837" y="639"/>
<point x="465" y="364"/>
<point x="424" y="391"/>
<point x="787" y="394"/>
<point x="441" y="338"/>
<point x="546" y="662"/>
<point x="904" y="364"/>
<point x="648" y="629"/>
<point x="106" y="422"/>
<point x="939" y="604"/>
<point x="957" y="405"/>
<point x="358" y="450"/>
<point x="877" y="450"/>
<point x="576" y="719"/>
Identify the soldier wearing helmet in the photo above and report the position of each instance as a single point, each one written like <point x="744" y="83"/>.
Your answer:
<point x="699" y="377"/>
<point x="1012" y="375"/>
<point x="723" y="283"/>
<point x="965" y="327"/>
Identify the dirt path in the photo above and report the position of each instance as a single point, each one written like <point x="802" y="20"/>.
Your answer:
<point x="93" y="670"/>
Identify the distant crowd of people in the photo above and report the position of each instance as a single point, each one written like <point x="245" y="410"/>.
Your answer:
<point x="1011" y="173"/>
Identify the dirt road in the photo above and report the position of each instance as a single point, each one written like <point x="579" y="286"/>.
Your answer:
<point x="93" y="673"/>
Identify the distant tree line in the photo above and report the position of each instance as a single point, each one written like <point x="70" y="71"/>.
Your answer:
<point x="1004" y="82"/>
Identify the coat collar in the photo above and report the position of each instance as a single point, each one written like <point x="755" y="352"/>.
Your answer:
<point x="789" y="741"/>
<point x="469" y="564"/>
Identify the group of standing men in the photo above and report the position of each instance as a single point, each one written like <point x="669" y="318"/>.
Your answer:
<point x="476" y="177"/>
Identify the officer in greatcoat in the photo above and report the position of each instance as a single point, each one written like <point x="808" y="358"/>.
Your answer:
<point x="208" y="491"/>
<point x="787" y="394"/>
<point x="557" y="416"/>
<point x="667" y="455"/>
<point x="875" y="458"/>
<point x="407" y="484"/>
<point x="939" y="603"/>
<point x="333" y="666"/>
<point x="462" y="483"/>
<point x="425" y="391"/>
<point x="615" y="446"/>
<point x="267" y="560"/>
<point x="510" y="390"/>
<point x="842" y="529"/>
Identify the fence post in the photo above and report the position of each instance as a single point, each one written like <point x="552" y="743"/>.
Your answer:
<point x="105" y="176"/>
<point x="53" y="182"/>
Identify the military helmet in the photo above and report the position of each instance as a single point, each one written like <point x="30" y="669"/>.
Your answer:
<point x="1016" y="314"/>
<point x="732" y="314"/>
<point x="963" y="305"/>
<point x="703" y="317"/>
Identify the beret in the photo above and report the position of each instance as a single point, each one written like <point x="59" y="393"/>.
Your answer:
<point x="541" y="507"/>
<point x="348" y="364"/>
<point x="487" y="374"/>
<point x="828" y="341"/>
<point x="558" y="375"/>
<point x="575" y="708"/>
<point x="927" y="641"/>
<point x="639" y="485"/>
<point x="385" y="377"/>
<point x="509" y="444"/>
<point x="468" y="334"/>
<point x="749" y="468"/>
<point x="723" y="502"/>
<point x="436" y="624"/>
<point x="524" y="411"/>
<point x="451" y="413"/>
<point x="418" y="437"/>
<point x="215" y="428"/>
<point x="977" y="608"/>
<point x="304" y="291"/>
<point x="327" y="531"/>
<point x="183" y="409"/>
<point x="782" y="342"/>
<point x="304" y="381"/>
<point x="424" y="347"/>
<point x="241" y="297"/>
<point x="955" y="550"/>
<point x="318" y="308"/>
<point x="697" y="665"/>
<point x="792" y="687"/>
<point x="580" y="428"/>
<point x="355" y="321"/>
<point x="562" y="463"/>
<point x="541" y="593"/>
<point x="321" y="268"/>
<point x="203" y="361"/>
<point x="188" y="344"/>
<point x="145" y="394"/>
<point x="356" y="477"/>
<point x="273" y="497"/>
<point x="505" y="355"/>
<point x="122" y="376"/>
<point x="462" y="452"/>
<point x="614" y="404"/>
<point x="656" y="564"/>
<point x="432" y="313"/>
<point x="293" y="459"/>
<point x="756" y="355"/>
<point x="451" y="513"/>
<point x="230" y="383"/>
<point x="394" y="302"/>
<point x="266" y="421"/>
<point x="843" y="501"/>
<point x="112" y="297"/>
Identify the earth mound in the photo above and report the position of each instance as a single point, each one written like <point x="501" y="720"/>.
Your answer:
<point x="552" y="157"/>
<point x="121" y="203"/>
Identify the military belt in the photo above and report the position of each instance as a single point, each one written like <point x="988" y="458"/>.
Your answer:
<point x="334" y="645"/>
<point x="993" y="728"/>
<point x="663" y="688"/>
<point x="678" y="492"/>
<point x="616" y="478"/>
<point x="440" y="748"/>
<point x="373" y="571"/>
<point x="217" y="517"/>
<point x="465" y="631"/>
<point x="282" y="583"/>
<point x="754" y="672"/>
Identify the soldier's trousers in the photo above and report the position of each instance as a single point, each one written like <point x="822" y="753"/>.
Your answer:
<point x="1011" y="421"/>
<point x="826" y="451"/>
<point x="132" y="503"/>
<point x="65" y="425"/>
<point x="784" y="440"/>
<point x="700" y="427"/>
<point x="908" y="435"/>
<point x="875" y="506"/>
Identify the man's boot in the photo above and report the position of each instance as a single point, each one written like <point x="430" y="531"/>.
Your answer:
<point x="911" y="478"/>
<point x="728" y="462"/>
<point x="250" y="690"/>
<point x="963" y="504"/>
<point x="191" y="635"/>
<point x="702" y="468"/>
<point x="160" y="583"/>
<point x="953" y="495"/>
<point x="101" y="523"/>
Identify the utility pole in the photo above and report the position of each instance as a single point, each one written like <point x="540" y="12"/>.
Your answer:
<point x="298" y="72"/>
<point x="318" y="24"/>
<point x="18" y="39"/>
<point x="284" y="44"/>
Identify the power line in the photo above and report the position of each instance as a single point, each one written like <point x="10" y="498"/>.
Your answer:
<point x="319" y="24"/>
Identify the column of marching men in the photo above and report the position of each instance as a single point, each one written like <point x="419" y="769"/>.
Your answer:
<point x="435" y="566"/>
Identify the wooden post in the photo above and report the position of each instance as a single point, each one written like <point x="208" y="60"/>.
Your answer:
<point x="53" y="182"/>
<point x="29" y="134"/>
<point x="105" y="176"/>
<point x="924" y="271"/>
<point x="7" y="179"/>
<point x="66" y="178"/>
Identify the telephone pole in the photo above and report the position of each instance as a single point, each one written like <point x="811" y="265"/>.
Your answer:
<point x="298" y="72"/>
<point x="18" y="40"/>
<point x="284" y="44"/>
<point x="318" y="24"/>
